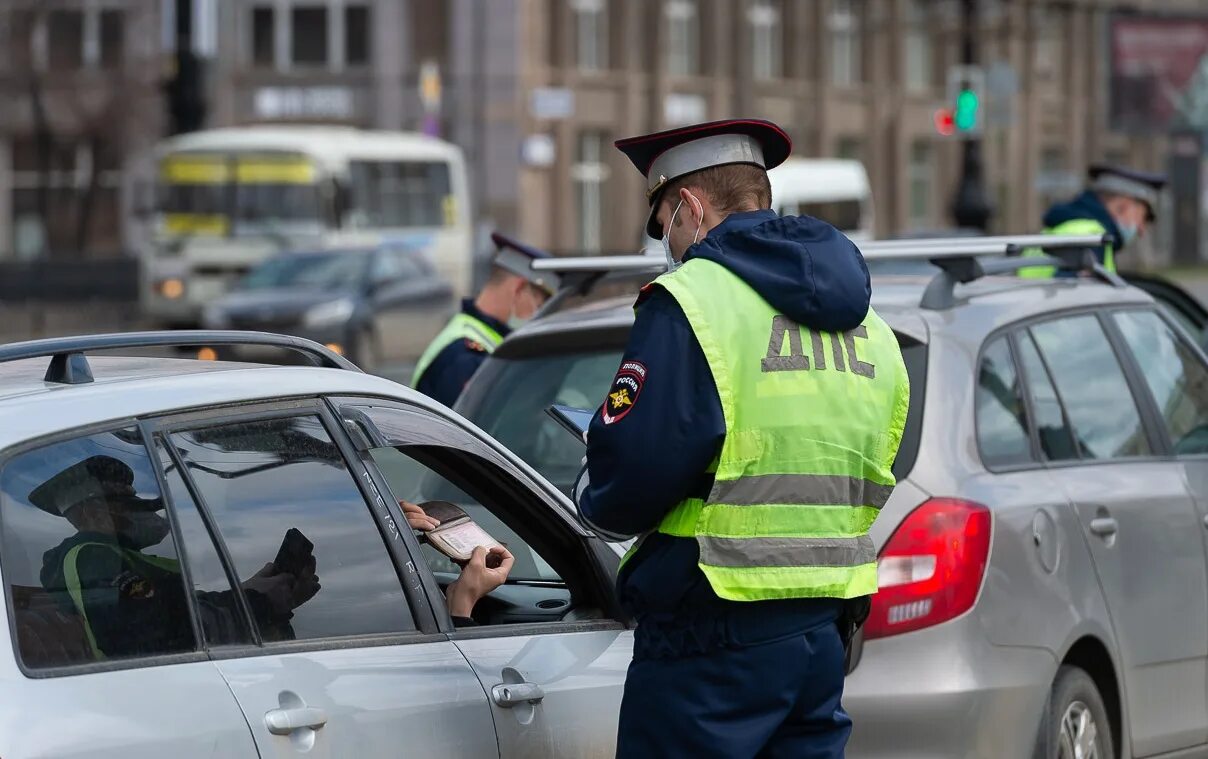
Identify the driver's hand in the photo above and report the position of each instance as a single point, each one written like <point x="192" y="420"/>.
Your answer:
<point x="485" y="571"/>
<point x="417" y="518"/>
<point x="306" y="585"/>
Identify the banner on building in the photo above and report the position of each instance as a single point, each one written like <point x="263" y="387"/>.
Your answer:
<point x="1159" y="73"/>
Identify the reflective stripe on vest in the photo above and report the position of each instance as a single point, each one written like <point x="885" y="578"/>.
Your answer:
<point x="813" y="423"/>
<point x="71" y="575"/>
<point x="460" y="327"/>
<point x="1071" y="227"/>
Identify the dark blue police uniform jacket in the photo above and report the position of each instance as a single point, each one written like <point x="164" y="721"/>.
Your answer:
<point x="644" y="463"/>
<point x="447" y="375"/>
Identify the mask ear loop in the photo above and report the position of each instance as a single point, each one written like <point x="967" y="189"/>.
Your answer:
<point x="700" y="209"/>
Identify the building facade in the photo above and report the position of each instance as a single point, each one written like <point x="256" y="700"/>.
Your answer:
<point x="535" y="91"/>
<point x="847" y="78"/>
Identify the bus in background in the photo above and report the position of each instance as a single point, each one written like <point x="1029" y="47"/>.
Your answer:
<point x="229" y="198"/>
<point x="833" y="190"/>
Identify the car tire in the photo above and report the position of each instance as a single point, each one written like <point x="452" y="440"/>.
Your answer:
<point x="364" y="350"/>
<point x="1075" y="724"/>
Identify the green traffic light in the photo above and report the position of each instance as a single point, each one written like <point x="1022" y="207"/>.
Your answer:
<point x="965" y="113"/>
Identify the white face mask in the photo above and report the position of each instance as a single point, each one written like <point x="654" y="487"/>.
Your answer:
<point x="672" y="264"/>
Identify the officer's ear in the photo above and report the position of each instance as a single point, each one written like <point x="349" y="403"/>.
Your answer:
<point x="693" y="205"/>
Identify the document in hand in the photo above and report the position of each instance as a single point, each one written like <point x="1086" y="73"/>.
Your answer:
<point x="457" y="535"/>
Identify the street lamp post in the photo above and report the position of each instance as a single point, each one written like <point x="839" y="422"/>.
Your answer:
<point x="971" y="208"/>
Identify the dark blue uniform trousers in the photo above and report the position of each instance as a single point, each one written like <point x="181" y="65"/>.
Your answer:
<point x="770" y="700"/>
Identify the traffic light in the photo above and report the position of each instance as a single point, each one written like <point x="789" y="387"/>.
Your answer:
<point x="945" y="122"/>
<point x="965" y="117"/>
<point x="966" y="87"/>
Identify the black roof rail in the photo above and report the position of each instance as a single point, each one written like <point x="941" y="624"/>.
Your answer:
<point x="963" y="260"/>
<point x="578" y="275"/>
<point x="69" y="366"/>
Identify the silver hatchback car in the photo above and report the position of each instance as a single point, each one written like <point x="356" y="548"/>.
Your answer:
<point x="208" y="559"/>
<point x="1043" y="570"/>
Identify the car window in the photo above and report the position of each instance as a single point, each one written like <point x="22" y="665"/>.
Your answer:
<point x="1056" y="440"/>
<point x="1102" y="412"/>
<point x="1175" y="375"/>
<point x="1002" y="429"/>
<point x="262" y="480"/>
<point x="223" y="622"/>
<point x="410" y="480"/>
<point x="511" y="406"/>
<point x="89" y="560"/>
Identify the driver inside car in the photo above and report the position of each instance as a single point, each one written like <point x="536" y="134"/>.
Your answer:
<point x="484" y="572"/>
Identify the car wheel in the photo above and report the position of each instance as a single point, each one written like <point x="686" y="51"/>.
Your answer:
<point x="1075" y="724"/>
<point x="365" y="354"/>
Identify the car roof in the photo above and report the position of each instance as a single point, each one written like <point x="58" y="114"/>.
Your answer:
<point x="980" y="308"/>
<point x="128" y="387"/>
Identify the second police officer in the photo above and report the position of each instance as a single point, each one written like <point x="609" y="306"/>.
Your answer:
<point x="747" y="441"/>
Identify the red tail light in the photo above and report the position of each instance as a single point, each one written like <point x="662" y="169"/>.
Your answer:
<point x="931" y="569"/>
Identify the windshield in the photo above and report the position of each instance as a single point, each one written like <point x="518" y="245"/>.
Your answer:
<point x="329" y="271"/>
<point x="239" y="193"/>
<point x="508" y="398"/>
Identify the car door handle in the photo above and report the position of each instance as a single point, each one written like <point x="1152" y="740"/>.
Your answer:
<point x="508" y="695"/>
<point x="286" y="721"/>
<point x="1104" y="526"/>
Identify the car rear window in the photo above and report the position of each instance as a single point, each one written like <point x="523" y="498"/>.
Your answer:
<point x="508" y="398"/>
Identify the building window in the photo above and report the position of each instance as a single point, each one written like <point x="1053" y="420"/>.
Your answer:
<point x="846" y="49"/>
<point x="590" y="173"/>
<point x="850" y="148"/>
<point x="920" y="63"/>
<point x="591" y="34"/>
<point x="1054" y="182"/>
<point x="264" y="37"/>
<point x="356" y="35"/>
<point x="309" y="35"/>
<point x="113" y="38"/>
<point x="65" y="39"/>
<point x="921" y="174"/>
<point x="683" y="37"/>
<point x="767" y="54"/>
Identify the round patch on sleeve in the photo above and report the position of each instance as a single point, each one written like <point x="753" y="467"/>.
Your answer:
<point x="477" y="347"/>
<point x="624" y="391"/>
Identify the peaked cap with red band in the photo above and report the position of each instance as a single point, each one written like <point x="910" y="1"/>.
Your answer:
<point x="664" y="157"/>
<point x="517" y="258"/>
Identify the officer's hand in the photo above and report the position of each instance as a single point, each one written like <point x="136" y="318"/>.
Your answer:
<point x="277" y="587"/>
<point x="485" y="571"/>
<point x="306" y="585"/>
<point x="417" y="518"/>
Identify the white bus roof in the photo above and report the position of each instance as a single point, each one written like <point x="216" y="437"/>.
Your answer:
<point x="331" y="145"/>
<point x="813" y="180"/>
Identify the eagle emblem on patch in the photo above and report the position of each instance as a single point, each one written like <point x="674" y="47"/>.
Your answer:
<point x="624" y="392"/>
<point x="134" y="586"/>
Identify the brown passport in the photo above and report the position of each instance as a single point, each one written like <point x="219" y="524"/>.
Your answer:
<point x="457" y="535"/>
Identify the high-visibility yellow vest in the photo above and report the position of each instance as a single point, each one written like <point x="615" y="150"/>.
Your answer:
<point x="813" y="423"/>
<point x="460" y="327"/>
<point x="71" y="575"/>
<point x="1071" y="227"/>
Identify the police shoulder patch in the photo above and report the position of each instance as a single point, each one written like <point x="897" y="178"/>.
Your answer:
<point x="624" y="392"/>
<point x="475" y="346"/>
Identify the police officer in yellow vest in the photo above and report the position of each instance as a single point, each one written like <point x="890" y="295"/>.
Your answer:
<point x="747" y="442"/>
<point x="512" y="294"/>
<point x="129" y="601"/>
<point x="1119" y="202"/>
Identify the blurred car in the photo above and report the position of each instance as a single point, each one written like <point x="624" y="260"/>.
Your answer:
<point x="161" y="643"/>
<point x="1044" y="581"/>
<point x="375" y="305"/>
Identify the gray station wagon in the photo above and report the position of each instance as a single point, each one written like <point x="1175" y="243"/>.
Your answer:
<point x="1044" y="581"/>
<point x="149" y="508"/>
